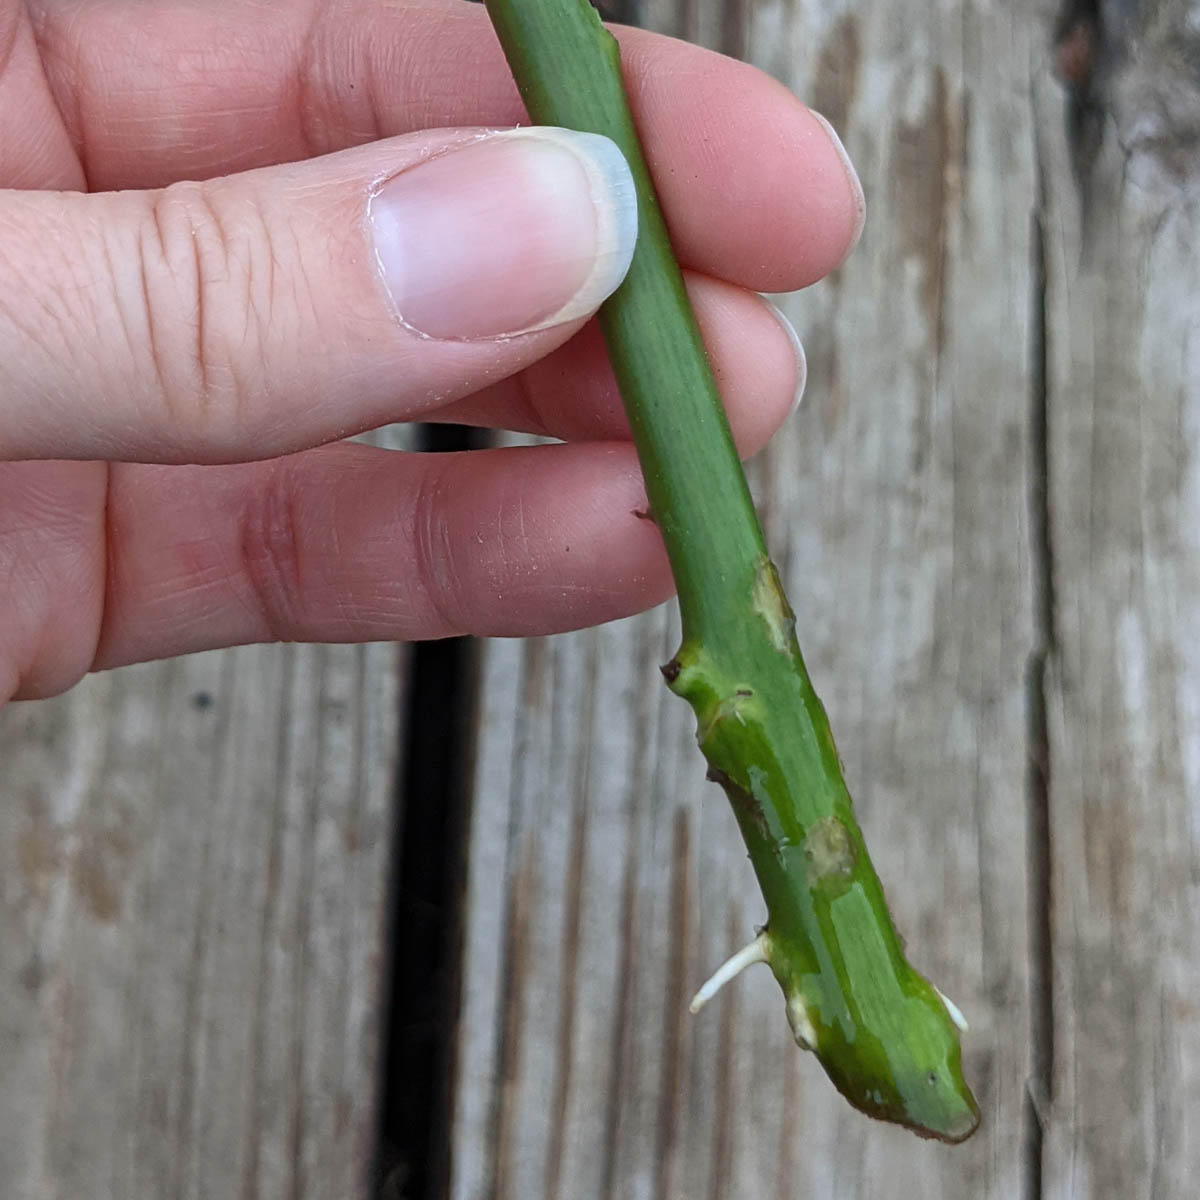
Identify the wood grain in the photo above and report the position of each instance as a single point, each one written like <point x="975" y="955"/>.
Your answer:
<point x="606" y="878"/>
<point x="1120" y="158"/>
<point x="194" y="859"/>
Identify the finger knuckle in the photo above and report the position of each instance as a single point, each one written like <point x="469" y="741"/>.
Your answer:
<point x="436" y="565"/>
<point x="206" y="311"/>
<point x="271" y="541"/>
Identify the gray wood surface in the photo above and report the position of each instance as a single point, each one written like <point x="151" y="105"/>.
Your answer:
<point x="1123" y="666"/>
<point x="193" y="858"/>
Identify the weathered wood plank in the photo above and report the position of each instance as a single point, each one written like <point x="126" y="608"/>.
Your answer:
<point x="1123" y="681"/>
<point x="194" y="862"/>
<point x="606" y="878"/>
<point x="194" y="867"/>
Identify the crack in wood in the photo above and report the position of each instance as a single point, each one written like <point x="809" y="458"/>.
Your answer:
<point x="1041" y="997"/>
<point x="1078" y="46"/>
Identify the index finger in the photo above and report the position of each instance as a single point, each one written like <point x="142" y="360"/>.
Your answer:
<point x="755" y="189"/>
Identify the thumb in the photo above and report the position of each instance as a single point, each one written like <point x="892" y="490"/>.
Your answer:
<point x="252" y="315"/>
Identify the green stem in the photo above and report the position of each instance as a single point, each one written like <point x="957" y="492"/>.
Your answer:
<point x="881" y="1031"/>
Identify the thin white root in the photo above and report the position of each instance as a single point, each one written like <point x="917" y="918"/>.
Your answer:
<point x="953" y="1009"/>
<point x="747" y="956"/>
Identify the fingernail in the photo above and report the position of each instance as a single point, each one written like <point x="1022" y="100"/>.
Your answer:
<point x="797" y="350"/>
<point x="515" y="232"/>
<point x="860" y="201"/>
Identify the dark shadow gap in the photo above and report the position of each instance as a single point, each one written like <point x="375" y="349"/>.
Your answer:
<point x="423" y="976"/>
<point x="421" y="1003"/>
<point x="1040" y="897"/>
<point x="1081" y="56"/>
<point x="623" y="12"/>
<point x="1031" y="1139"/>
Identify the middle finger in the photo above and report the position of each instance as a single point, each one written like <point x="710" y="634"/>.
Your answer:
<point x="754" y="188"/>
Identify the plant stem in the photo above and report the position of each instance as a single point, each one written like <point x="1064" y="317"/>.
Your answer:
<point x="880" y="1029"/>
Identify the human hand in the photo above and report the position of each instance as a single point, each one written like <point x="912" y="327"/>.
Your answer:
<point x="179" y="364"/>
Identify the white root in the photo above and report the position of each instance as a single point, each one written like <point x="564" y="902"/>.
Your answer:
<point x="747" y="956"/>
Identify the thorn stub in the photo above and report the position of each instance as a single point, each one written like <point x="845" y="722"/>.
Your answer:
<point x="747" y="956"/>
<point x="955" y="1012"/>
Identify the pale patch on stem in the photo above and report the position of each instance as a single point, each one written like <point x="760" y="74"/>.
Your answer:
<point x="802" y="1026"/>
<point x="747" y="956"/>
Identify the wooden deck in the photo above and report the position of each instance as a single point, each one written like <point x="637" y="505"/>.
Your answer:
<point x="988" y="517"/>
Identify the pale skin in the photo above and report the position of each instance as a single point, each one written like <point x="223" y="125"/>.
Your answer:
<point x="176" y="479"/>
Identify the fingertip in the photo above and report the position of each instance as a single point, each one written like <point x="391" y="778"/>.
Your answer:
<point x="757" y="359"/>
<point x="572" y="542"/>
<point x="799" y="358"/>
<point x="820" y="221"/>
<point x="858" y="209"/>
<point x="785" y="199"/>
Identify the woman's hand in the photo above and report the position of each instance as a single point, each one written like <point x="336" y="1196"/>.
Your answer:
<point x="189" y="329"/>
